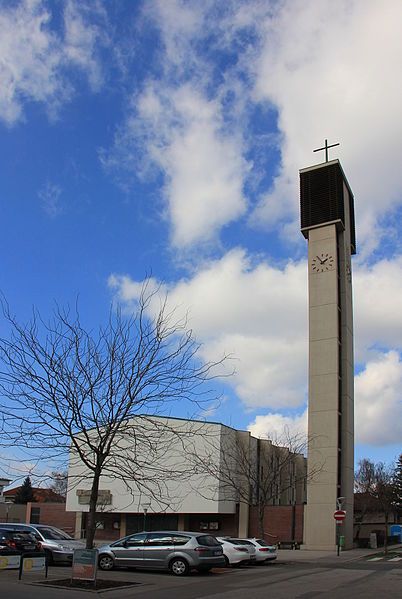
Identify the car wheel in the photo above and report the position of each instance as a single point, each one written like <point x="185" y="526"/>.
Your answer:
<point x="106" y="562"/>
<point x="227" y="563"/>
<point x="179" y="567"/>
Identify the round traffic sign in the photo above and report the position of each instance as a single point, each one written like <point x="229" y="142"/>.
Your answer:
<point x="339" y="515"/>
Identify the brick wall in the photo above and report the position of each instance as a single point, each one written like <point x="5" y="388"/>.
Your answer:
<point x="278" y="523"/>
<point x="52" y="513"/>
<point x="12" y="512"/>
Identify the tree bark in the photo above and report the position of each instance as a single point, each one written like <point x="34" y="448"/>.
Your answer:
<point x="91" y="520"/>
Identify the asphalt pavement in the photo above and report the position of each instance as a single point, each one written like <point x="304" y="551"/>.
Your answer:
<point x="295" y="574"/>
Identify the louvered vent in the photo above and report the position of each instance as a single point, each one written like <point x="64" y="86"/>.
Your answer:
<point x="321" y="198"/>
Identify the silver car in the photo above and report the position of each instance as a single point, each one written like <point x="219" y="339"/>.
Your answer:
<point x="177" y="551"/>
<point x="57" y="544"/>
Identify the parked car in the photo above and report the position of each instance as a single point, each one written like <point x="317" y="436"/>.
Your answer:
<point x="177" y="551"/>
<point x="57" y="544"/>
<point x="265" y="552"/>
<point x="18" y="541"/>
<point x="235" y="553"/>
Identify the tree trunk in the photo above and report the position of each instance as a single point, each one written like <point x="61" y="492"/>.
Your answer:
<point x="261" y="513"/>
<point x="386" y="533"/>
<point x="91" y="520"/>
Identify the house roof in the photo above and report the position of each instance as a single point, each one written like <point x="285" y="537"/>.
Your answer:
<point x="41" y="495"/>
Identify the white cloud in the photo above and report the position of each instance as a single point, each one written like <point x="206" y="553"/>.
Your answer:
<point x="276" y="426"/>
<point x="329" y="68"/>
<point x="255" y="312"/>
<point x="34" y="57"/>
<point x="378" y="401"/>
<point x="377" y="307"/>
<point x="183" y="133"/>
<point x="82" y="39"/>
<point x="258" y="313"/>
<point x="49" y="194"/>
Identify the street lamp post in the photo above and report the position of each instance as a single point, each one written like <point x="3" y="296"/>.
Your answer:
<point x="145" y="508"/>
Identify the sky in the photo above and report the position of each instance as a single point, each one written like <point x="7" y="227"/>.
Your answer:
<point x="163" y="139"/>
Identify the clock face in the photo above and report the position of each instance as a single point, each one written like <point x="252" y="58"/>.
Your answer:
<point x="322" y="263"/>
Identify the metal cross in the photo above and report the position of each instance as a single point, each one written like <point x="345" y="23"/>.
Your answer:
<point x="326" y="149"/>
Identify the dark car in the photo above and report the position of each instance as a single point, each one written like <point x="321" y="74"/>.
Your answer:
<point x="58" y="545"/>
<point x="18" y="541"/>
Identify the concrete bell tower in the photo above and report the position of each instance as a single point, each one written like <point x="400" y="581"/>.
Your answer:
<point x="327" y="222"/>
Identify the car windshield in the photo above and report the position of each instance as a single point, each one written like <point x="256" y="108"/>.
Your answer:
<point x="207" y="540"/>
<point x="54" y="534"/>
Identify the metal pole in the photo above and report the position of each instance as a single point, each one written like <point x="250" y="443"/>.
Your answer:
<point x="145" y="518"/>
<point x="338" y="539"/>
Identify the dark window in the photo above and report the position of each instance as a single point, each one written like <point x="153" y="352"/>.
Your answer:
<point x="207" y="540"/>
<point x="158" y="539"/>
<point x="263" y="543"/>
<point x="240" y="542"/>
<point x="35" y="515"/>
<point x="180" y="540"/>
<point x="133" y="541"/>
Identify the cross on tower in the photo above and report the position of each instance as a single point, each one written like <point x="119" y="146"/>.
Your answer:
<point x="326" y="149"/>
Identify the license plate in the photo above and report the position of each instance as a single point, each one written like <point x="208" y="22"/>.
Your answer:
<point x="217" y="553"/>
<point x="28" y="547"/>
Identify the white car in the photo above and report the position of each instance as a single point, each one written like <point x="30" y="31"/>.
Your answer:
<point x="265" y="552"/>
<point x="237" y="553"/>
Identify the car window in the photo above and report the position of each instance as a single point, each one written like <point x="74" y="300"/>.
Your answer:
<point x="157" y="539"/>
<point x="180" y="539"/>
<point x="240" y="542"/>
<point x="48" y="532"/>
<point x="22" y="536"/>
<point x="208" y="540"/>
<point x="131" y="541"/>
<point x="263" y="543"/>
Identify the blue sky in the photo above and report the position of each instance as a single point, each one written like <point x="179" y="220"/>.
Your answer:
<point x="165" y="138"/>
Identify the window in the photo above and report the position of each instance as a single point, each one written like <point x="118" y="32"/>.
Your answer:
<point x="158" y="539"/>
<point x="35" y="515"/>
<point x="207" y="540"/>
<point x="180" y="539"/>
<point x="133" y="541"/>
<point x="49" y="532"/>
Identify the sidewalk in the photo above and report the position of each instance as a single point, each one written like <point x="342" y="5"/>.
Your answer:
<point x="304" y="555"/>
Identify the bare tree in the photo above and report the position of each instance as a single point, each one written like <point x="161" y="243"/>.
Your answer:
<point x="97" y="396"/>
<point x="256" y="472"/>
<point x="59" y="482"/>
<point x="378" y="481"/>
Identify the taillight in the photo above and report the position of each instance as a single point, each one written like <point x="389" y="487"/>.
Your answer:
<point x="201" y="549"/>
<point x="39" y="546"/>
<point x="11" y="544"/>
<point x="263" y="549"/>
<point x="243" y="549"/>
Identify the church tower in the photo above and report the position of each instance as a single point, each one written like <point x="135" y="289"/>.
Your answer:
<point x="327" y="222"/>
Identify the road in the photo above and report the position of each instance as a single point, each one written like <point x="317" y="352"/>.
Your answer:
<point x="363" y="578"/>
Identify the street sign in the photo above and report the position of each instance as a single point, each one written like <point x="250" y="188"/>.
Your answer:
<point x="85" y="562"/>
<point x="339" y="515"/>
